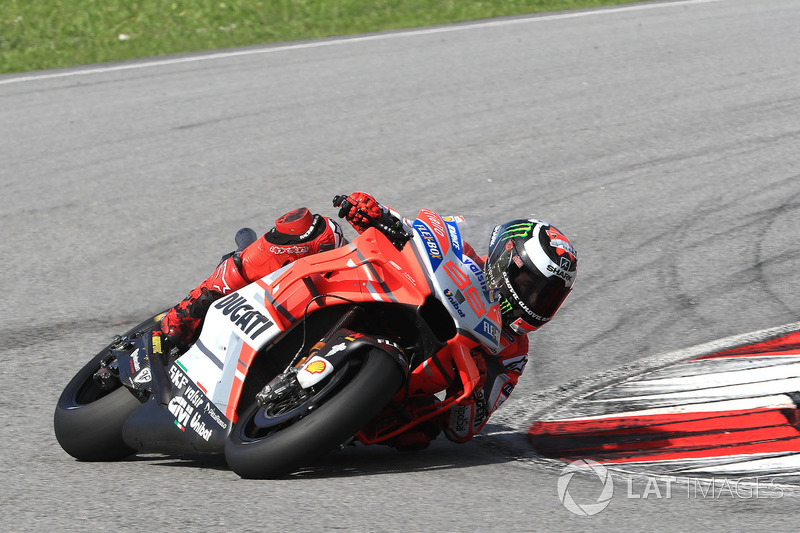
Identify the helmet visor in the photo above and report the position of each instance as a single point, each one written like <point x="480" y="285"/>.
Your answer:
<point x="541" y="295"/>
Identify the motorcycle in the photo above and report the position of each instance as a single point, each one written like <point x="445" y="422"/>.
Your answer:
<point x="395" y="315"/>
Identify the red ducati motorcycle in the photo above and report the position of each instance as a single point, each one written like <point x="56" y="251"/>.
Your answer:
<point x="362" y="343"/>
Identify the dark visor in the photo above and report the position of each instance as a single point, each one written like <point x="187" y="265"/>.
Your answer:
<point x="541" y="294"/>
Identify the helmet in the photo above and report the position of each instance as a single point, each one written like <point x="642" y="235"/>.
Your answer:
<point x="531" y="267"/>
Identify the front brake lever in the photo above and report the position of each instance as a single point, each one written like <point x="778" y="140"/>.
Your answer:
<point x="344" y="206"/>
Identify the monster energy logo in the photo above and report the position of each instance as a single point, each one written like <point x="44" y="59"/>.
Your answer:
<point x="505" y="306"/>
<point x="523" y="229"/>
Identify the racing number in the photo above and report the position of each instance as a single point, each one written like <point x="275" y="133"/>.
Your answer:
<point x="465" y="285"/>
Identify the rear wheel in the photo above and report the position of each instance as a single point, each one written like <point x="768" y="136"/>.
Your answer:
<point x="274" y="442"/>
<point x="88" y="419"/>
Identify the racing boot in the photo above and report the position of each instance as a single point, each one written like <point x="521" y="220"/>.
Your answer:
<point x="181" y="323"/>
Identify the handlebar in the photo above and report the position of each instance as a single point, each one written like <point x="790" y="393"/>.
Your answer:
<point x="388" y="224"/>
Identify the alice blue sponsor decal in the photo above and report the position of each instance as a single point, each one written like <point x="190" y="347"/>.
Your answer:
<point x="487" y="329"/>
<point x="431" y="244"/>
<point x="455" y="238"/>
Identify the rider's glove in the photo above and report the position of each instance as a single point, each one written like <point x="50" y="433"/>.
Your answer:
<point x="456" y="389"/>
<point x="364" y="211"/>
<point x="465" y="419"/>
<point x="480" y="361"/>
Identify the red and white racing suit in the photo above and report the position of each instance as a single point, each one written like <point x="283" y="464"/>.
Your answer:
<point x="299" y="234"/>
<point x="502" y="373"/>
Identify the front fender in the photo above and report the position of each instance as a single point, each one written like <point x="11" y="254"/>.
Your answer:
<point x="340" y="347"/>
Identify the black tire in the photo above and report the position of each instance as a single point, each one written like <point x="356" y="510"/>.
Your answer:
<point x="88" y="420"/>
<point x="358" y="400"/>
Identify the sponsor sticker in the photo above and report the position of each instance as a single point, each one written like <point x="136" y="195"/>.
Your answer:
<point x="316" y="367"/>
<point x="432" y="246"/>
<point x="450" y="298"/>
<point x="488" y="329"/>
<point x="181" y="410"/>
<point x="143" y="376"/>
<point x="190" y="405"/>
<point x="455" y="238"/>
<point x="294" y="249"/>
<point x="315" y="370"/>
<point x="244" y="316"/>
<point x="211" y="411"/>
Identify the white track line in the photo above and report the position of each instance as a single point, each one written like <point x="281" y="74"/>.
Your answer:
<point x="348" y="40"/>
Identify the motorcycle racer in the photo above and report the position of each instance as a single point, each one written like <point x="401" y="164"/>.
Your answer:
<point x="530" y="268"/>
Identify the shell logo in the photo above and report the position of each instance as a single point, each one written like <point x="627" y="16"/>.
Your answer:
<point x="315" y="367"/>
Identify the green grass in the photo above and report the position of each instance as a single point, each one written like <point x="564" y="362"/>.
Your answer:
<point x="39" y="34"/>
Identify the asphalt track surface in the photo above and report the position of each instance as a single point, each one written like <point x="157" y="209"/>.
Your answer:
<point x="661" y="137"/>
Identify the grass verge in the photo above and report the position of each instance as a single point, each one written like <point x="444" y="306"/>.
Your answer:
<point x="41" y="34"/>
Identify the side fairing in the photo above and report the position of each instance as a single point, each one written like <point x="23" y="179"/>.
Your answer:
<point x="458" y="281"/>
<point x="235" y="328"/>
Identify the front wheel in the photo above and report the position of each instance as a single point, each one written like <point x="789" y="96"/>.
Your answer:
<point x="353" y="396"/>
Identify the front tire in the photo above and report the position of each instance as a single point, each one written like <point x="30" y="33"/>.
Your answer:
<point x="254" y="453"/>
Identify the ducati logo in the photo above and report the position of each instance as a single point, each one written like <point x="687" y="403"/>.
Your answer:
<point x="243" y="315"/>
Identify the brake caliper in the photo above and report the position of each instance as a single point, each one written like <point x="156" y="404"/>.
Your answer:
<point x="282" y="389"/>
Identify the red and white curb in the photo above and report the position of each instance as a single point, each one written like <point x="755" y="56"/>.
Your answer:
<point x="728" y="411"/>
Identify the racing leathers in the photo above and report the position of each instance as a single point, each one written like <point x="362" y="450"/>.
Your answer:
<point x="299" y="234"/>
<point x="503" y="370"/>
<point x="500" y="374"/>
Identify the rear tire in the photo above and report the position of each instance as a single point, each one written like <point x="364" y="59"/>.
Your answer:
<point x="254" y="453"/>
<point x="88" y="420"/>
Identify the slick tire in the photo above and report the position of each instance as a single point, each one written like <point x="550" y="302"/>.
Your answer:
<point x="93" y="431"/>
<point x="369" y="389"/>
